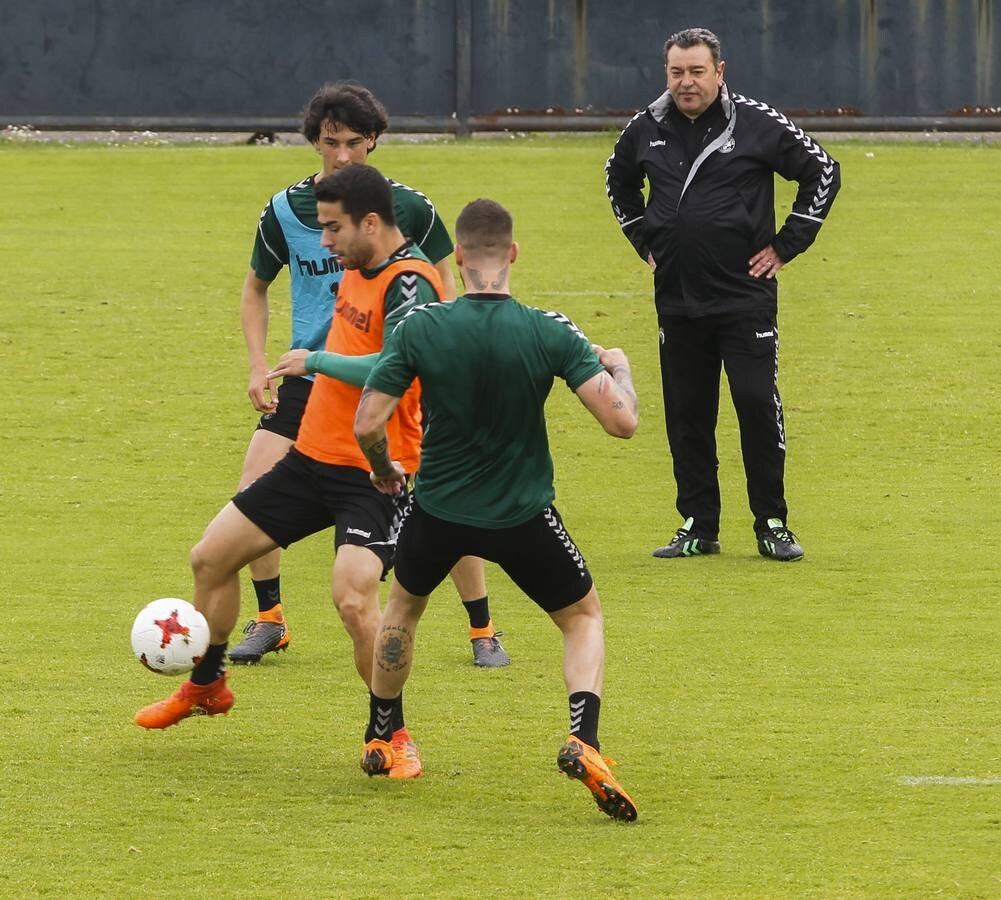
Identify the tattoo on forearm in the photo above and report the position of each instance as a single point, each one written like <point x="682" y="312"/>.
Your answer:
<point x="377" y="455"/>
<point x="375" y="448"/>
<point x="624" y="379"/>
<point x="394" y="648"/>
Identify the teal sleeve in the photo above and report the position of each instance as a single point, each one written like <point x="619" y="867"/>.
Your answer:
<point x="351" y="369"/>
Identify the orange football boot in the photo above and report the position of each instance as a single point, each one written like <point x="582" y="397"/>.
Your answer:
<point x="188" y="700"/>
<point x="406" y="762"/>
<point x="581" y="761"/>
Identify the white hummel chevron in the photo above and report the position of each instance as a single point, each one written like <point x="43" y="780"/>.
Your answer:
<point x="562" y="319"/>
<point x="819" y="200"/>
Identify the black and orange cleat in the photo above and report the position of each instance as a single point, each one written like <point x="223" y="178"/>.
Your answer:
<point x="581" y="761"/>
<point x="188" y="700"/>
<point x="376" y="757"/>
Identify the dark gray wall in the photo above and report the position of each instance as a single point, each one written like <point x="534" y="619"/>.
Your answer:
<point x="244" y="60"/>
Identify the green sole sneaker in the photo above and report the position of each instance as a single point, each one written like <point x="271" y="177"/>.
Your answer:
<point x="778" y="542"/>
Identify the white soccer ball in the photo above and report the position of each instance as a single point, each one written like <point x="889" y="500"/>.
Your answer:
<point x="170" y="636"/>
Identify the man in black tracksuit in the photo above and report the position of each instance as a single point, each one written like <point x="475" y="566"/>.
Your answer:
<point x="708" y="232"/>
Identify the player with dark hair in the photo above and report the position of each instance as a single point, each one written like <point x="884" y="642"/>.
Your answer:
<point x="485" y="485"/>
<point x="707" y="230"/>
<point x="323" y="480"/>
<point x="343" y="122"/>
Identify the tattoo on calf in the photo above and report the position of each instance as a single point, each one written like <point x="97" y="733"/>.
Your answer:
<point x="394" y="648"/>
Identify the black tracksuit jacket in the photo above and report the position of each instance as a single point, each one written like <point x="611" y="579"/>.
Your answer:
<point x="711" y="205"/>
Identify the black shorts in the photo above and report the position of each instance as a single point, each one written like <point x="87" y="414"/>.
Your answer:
<point x="292" y="396"/>
<point x="301" y="496"/>
<point x="538" y="555"/>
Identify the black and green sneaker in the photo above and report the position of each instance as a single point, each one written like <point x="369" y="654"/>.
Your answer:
<point x="684" y="543"/>
<point x="778" y="542"/>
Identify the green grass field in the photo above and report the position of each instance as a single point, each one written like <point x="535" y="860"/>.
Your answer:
<point x="823" y="729"/>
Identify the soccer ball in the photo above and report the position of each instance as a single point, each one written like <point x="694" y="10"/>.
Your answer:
<point x="170" y="636"/>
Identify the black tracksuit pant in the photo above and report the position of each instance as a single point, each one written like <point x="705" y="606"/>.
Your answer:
<point x="692" y="352"/>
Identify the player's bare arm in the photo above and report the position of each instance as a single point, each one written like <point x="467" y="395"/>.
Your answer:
<point x="254" y="321"/>
<point x="610" y="396"/>
<point x="444" y="268"/>
<point x="374" y="410"/>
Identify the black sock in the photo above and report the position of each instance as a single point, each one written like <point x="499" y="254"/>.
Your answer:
<point x="584" y="710"/>
<point x="398" y="714"/>
<point x="382" y="715"/>
<point x="269" y="593"/>
<point x="478" y="612"/>
<point x="211" y="666"/>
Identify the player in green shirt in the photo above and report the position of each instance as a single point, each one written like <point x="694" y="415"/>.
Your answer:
<point x="343" y="122"/>
<point x="486" y="364"/>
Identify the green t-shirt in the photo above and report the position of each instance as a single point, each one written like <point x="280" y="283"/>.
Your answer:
<point x="416" y="217"/>
<point x="486" y="365"/>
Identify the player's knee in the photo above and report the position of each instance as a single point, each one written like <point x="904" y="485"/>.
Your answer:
<point x="208" y="564"/>
<point x="202" y="561"/>
<point x="357" y="608"/>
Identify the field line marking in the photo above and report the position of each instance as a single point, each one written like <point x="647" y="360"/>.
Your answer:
<point x="584" y="293"/>
<point x="947" y="779"/>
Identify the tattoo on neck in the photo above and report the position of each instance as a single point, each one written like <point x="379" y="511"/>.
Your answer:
<point x="476" y="277"/>
<point x="480" y="282"/>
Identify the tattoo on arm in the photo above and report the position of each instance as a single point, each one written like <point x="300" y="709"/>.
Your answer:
<point x="377" y="454"/>
<point x="375" y="446"/>
<point x="623" y="378"/>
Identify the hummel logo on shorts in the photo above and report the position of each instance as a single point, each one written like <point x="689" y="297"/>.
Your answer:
<point x="364" y="534"/>
<point x="764" y="334"/>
